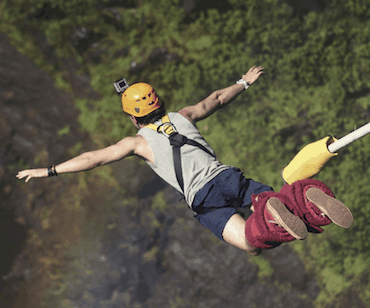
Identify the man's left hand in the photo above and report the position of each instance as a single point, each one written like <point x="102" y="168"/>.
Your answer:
<point x="253" y="74"/>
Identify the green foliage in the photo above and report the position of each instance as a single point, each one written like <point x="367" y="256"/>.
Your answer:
<point x="159" y="202"/>
<point x="74" y="151"/>
<point x="334" y="283"/>
<point x="264" y="268"/>
<point x="64" y="131"/>
<point x="151" y="255"/>
<point x="316" y="83"/>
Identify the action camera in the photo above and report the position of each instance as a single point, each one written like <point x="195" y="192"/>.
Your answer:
<point x="121" y="85"/>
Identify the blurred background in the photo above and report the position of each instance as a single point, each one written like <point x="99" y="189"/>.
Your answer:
<point x="117" y="236"/>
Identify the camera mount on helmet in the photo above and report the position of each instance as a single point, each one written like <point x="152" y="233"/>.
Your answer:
<point x="121" y="85"/>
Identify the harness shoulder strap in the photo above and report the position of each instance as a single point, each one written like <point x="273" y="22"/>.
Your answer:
<point x="177" y="141"/>
<point x="165" y="119"/>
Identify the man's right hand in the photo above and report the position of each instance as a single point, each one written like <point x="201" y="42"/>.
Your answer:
<point x="253" y="74"/>
<point x="33" y="173"/>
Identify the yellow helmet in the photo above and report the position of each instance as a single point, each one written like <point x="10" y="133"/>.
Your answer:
<point x="139" y="100"/>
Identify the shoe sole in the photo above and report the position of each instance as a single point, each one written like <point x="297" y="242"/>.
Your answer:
<point x="337" y="212"/>
<point x="291" y="223"/>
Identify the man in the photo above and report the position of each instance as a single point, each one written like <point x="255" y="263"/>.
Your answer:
<point x="214" y="191"/>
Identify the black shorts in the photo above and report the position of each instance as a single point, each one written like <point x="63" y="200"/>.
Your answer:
<point x="221" y="197"/>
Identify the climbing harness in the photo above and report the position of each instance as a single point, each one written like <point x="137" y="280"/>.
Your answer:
<point x="176" y="141"/>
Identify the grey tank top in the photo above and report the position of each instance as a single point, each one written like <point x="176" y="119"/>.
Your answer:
<point x="198" y="167"/>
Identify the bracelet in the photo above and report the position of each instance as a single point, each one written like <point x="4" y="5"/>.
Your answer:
<point x="55" y="172"/>
<point x="242" y="81"/>
<point x="52" y="172"/>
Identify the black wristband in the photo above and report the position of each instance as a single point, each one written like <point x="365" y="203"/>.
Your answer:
<point x="55" y="172"/>
<point x="51" y="172"/>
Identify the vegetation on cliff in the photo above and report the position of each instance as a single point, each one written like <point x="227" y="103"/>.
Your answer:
<point x="316" y="83"/>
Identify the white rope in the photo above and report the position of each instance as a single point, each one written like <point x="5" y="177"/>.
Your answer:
<point x="348" y="139"/>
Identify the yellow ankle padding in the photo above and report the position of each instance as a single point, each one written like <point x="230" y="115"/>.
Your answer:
<point x="309" y="161"/>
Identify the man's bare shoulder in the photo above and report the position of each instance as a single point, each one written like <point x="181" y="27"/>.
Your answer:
<point x="188" y="112"/>
<point x="138" y="140"/>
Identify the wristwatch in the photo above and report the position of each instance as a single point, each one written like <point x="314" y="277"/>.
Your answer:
<point x="242" y="81"/>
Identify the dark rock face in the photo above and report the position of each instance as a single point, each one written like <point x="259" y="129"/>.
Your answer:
<point x="191" y="267"/>
<point x="32" y="111"/>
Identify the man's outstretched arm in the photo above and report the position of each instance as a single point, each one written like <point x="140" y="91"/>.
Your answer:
<point x="88" y="160"/>
<point x="220" y="98"/>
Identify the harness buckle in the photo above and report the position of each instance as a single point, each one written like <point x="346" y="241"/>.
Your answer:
<point x="168" y="129"/>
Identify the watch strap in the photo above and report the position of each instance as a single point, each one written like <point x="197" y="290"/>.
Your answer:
<point x="242" y="81"/>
